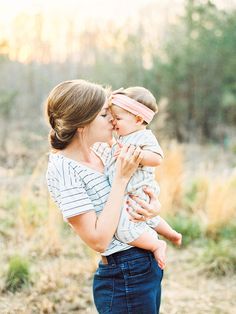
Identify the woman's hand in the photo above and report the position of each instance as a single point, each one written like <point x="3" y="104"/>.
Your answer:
<point x="128" y="162"/>
<point x="140" y="210"/>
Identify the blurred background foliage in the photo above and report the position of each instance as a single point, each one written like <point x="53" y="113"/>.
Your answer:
<point x="189" y="65"/>
<point x="190" y="69"/>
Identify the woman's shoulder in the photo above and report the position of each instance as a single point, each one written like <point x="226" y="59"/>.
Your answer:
<point x="57" y="162"/>
<point x="61" y="167"/>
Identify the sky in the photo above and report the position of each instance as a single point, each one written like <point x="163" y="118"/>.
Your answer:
<point x="82" y="13"/>
<point x="98" y="9"/>
<point x="58" y="13"/>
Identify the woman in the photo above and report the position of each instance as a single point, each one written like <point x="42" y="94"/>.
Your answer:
<point x="128" y="279"/>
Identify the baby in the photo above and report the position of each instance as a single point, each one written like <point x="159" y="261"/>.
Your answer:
<point x="133" y="109"/>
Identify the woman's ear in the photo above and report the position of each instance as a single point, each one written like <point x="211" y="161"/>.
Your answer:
<point x="139" y="119"/>
<point x="80" y="130"/>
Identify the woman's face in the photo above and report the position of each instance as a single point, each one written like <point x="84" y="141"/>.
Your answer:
<point x="100" y="129"/>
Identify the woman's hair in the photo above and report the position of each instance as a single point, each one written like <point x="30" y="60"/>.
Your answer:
<point x="140" y="94"/>
<point x="72" y="105"/>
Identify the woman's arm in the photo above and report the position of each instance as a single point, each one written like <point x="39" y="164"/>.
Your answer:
<point x="97" y="232"/>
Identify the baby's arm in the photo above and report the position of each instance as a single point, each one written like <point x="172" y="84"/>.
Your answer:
<point x="151" y="159"/>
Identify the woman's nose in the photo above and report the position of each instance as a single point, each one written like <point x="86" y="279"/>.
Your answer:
<point x="113" y="122"/>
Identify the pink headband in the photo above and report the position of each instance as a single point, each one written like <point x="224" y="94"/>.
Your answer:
<point x="133" y="106"/>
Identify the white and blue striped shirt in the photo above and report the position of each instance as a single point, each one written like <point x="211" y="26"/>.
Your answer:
<point x="77" y="189"/>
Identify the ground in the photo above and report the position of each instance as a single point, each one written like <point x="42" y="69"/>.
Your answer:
<point x="63" y="286"/>
<point x="61" y="266"/>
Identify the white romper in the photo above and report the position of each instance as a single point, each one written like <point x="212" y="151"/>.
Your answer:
<point x="127" y="230"/>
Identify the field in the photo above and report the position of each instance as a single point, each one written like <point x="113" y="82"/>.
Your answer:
<point x="45" y="268"/>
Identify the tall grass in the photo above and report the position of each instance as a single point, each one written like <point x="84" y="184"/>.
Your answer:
<point x="220" y="203"/>
<point x="199" y="205"/>
<point x="170" y="177"/>
<point x="209" y="197"/>
<point x="38" y="219"/>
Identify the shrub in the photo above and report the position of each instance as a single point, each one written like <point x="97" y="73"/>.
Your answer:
<point x="189" y="227"/>
<point x="228" y="232"/>
<point x="18" y="274"/>
<point x="219" y="258"/>
<point x="191" y="193"/>
<point x="9" y="201"/>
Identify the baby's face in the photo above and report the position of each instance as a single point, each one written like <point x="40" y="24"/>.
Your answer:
<point x="124" y="122"/>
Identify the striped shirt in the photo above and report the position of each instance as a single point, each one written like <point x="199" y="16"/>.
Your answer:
<point x="78" y="189"/>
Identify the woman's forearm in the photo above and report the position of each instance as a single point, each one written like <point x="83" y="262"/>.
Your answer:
<point x="97" y="232"/>
<point x="126" y="164"/>
<point x="107" y="221"/>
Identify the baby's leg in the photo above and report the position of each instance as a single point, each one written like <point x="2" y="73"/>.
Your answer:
<point x="139" y="234"/>
<point x="150" y="242"/>
<point x="164" y="229"/>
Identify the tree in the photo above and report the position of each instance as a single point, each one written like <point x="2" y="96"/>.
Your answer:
<point x="198" y="53"/>
<point x="6" y="105"/>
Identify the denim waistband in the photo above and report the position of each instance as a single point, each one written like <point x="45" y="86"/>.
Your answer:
<point x="127" y="255"/>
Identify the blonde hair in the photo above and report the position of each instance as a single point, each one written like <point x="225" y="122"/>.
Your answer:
<point x="72" y="105"/>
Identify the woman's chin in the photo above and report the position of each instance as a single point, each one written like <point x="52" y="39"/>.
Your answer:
<point x="108" y="139"/>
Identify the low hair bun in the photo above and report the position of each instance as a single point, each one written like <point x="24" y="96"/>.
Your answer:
<point x="55" y="142"/>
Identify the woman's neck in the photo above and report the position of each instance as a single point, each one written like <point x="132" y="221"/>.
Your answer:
<point x="78" y="151"/>
<point x="82" y="153"/>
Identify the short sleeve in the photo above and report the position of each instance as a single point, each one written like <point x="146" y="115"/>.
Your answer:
<point x="74" y="201"/>
<point x="152" y="144"/>
<point x="146" y="140"/>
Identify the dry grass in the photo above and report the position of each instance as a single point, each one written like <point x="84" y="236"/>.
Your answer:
<point x="170" y="177"/>
<point x="220" y="204"/>
<point x="61" y="265"/>
<point x="208" y="195"/>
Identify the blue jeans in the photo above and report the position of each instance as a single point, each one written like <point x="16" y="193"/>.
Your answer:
<point x="129" y="284"/>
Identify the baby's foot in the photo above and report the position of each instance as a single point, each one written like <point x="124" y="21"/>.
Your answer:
<point x="160" y="254"/>
<point x="176" y="238"/>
